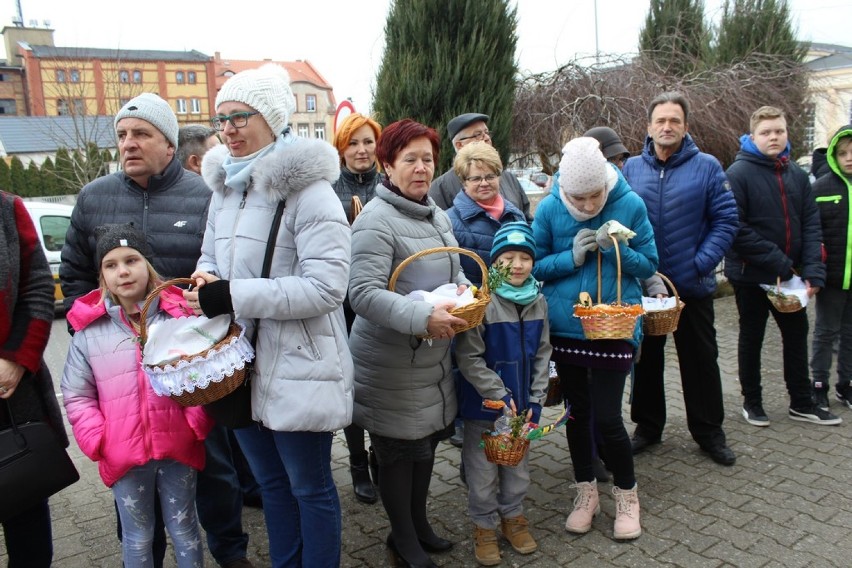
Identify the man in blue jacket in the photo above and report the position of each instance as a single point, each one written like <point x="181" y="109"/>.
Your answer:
<point x="694" y="216"/>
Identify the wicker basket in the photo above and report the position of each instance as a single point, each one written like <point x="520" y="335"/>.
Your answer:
<point x="663" y="322"/>
<point x="504" y="449"/>
<point x="355" y="208"/>
<point x="215" y="390"/>
<point x="609" y="321"/>
<point x="786" y="303"/>
<point x="472" y="313"/>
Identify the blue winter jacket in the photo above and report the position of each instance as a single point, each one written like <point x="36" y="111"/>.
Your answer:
<point x="692" y="210"/>
<point x="509" y="352"/>
<point x="555" y="229"/>
<point x="474" y="229"/>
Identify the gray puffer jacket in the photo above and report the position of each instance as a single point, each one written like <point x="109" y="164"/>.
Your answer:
<point x="403" y="385"/>
<point x="303" y="370"/>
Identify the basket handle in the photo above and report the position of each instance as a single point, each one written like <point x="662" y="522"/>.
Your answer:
<point x="143" y="314"/>
<point x="670" y="285"/>
<point x="424" y="252"/>
<point x="617" y="267"/>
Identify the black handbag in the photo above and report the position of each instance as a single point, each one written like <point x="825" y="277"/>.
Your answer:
<point x="234" y="410"/>
<point x="33" y="466"/>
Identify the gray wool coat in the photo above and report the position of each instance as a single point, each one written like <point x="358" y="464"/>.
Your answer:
<point x="403" y="385"/>
<point x="303" y="370"/>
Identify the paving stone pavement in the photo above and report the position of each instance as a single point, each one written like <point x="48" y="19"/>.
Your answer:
<point x="784" y="503"/>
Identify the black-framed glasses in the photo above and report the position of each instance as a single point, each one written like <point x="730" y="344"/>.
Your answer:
<point x="480" y="135"/>
<point x="237" y="120"/>
<point x="478" y="179"/>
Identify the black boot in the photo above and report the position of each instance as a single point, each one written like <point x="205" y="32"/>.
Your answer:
<point x="361" y="484"/>
<point x="374" y="467"/>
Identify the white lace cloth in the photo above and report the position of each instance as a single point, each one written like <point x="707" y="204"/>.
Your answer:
<point x="179" y="376"/>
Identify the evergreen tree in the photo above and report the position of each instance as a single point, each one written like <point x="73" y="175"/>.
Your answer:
<point x="446" y="58"/>
<point x="33" y="177"/>
<point x="676" y="36"/>
<point x="757" y="26"/>
<point x="49" y="184"/>
<point x="18" y="178"/>
<point x="5" y="179"/>
<point x="64" y="172"/>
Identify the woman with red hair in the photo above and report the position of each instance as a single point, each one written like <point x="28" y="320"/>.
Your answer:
<point x="404" y="390"/>
<point x="355" y="141"/>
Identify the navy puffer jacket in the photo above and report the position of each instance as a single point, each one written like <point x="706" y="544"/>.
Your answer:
<point x="692" y="210"/>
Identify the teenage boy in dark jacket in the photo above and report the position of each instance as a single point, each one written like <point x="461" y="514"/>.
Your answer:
<point x="834" y="303"/>
<point x="779" y="237"/>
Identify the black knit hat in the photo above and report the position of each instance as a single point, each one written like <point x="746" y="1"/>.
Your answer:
<point x="126" y="235"/>
<point x="611" y="145"/>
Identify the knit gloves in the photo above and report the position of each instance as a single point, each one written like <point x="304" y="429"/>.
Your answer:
<point x="584" y="242"/>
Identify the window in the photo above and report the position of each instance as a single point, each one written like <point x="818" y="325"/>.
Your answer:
<point x="310" y="103"/>
<point x="196" y="106"/>
<point x="75" y="75"/>
<point x="319" y="131"/>
<point x="179" y="78"/>
<point x="123" y="76"/>
<point x="137" y="76"/>
<point x="181" y="106"/>
<point x="122" y="102"/>
<point x="190" y="77"/>
<point x="60" y="75"/>
<point x="303" y="131"/>
<point x="79" y="107"/>
<point x="61" y="107"/>
<point x="809" y="134"/>
<point x="54" y="227"/>
<point x="7" y="106"/>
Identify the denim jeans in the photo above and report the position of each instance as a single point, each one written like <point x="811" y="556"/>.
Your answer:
<point x="29" y="539"/>
<point x="135" y="494"/>
<point x="300" y="501"/>
<point x="598" y="393"/>
<point x="754" y="309"/>
<point x="493" y="491"/>
<point x="833" y="319"/>
<point x="219" y="499"/>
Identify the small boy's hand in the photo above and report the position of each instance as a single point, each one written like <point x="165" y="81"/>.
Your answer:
<point x="534" y="413"/>
<point x="510" y="407"/>
<point x="811" y="290"/>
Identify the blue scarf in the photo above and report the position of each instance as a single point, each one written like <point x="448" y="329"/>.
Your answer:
<point x="238" y="170"/>
<point x="748" y="145"/>
<point x="523" y="294"/>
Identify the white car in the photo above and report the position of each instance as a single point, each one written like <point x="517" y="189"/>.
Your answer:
<point x="51" y="221"/>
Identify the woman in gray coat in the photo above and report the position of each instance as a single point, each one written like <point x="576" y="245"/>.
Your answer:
<point x="404" y="392"/>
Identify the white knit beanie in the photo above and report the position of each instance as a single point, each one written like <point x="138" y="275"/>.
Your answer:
<point x="151" y="108"/>
<point x="266" y="90"/>
<point x="583" y="168"/>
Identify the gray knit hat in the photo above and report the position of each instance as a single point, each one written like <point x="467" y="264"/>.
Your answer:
<point x="266" y="90"/>
<point x="111" y="237"/>
<point x="151" y="108"/>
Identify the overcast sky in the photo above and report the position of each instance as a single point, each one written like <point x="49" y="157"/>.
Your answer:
<point x="345" y="40"/>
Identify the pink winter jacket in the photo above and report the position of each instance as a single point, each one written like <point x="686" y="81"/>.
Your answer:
<point x="117" y="419"/>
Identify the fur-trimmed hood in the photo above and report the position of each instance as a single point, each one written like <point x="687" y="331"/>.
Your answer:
<point x="288" y="168"/>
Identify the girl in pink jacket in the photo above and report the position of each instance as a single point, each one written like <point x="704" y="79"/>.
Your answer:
<point x="144" y="444"/>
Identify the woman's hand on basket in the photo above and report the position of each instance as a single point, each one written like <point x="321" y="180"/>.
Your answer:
<point x="191" y="295"/>
<point x="441" y="321"/>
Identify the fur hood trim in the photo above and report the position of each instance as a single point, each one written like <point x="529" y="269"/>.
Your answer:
<point x="287" y="169"/>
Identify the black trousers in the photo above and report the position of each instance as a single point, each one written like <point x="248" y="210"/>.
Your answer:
<point x="695" y="340"/>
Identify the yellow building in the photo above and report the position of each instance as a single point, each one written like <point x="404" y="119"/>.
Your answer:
<point x="830" y="88"/>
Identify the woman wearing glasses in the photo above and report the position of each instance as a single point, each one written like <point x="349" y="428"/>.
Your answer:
<point x="302" y="381"/>
<point x="479" y="209"/>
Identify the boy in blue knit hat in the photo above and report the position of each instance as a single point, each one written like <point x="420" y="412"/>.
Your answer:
<point x="505" y="358"/>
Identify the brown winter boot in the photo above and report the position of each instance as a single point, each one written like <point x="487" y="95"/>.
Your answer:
<point x="485" y="547"/>
<point x="516" y="531"/>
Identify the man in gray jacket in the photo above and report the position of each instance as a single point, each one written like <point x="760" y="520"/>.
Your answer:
<point x="464" y="129"/>
<point x="169" y="204"/>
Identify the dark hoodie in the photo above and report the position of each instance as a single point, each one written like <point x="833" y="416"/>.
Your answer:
<point x="833" y="193"/>
<point x="779" y="221"/>
<point x="819" y="163"/>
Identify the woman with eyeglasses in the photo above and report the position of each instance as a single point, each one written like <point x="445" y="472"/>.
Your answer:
<point x="479" y="209"/>
<point x="355" y="141"/>
<point x="405" y="395"/>
<point x="302" y="381"/>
